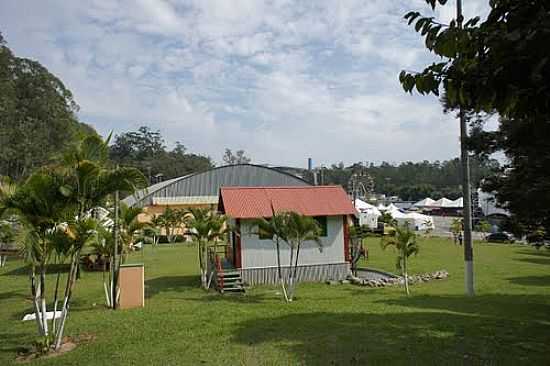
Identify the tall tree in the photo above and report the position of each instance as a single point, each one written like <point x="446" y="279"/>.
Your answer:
<point x="37" y="115"/>
<point x="171" y="219"/>
<point x="207" y="228"/>
<point x="403" y="238"/>
<point x="239" y="157"/>
<point x="275" y="228"/>
<point x="146" y="150"/>
<point x="499" y="65"/>
<point x="299" y="229"/>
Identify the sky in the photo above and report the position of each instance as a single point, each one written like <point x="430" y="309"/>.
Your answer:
<point x="283" y="80"/>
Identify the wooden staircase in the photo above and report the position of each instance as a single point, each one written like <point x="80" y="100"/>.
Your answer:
<point x="229" y="280"/>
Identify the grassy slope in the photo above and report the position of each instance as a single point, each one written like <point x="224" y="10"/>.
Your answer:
<point x="507" y="322"/>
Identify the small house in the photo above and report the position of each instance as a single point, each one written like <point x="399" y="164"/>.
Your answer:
<point x="255" y="256"/>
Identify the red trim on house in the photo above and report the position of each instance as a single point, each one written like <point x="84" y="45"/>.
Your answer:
<point x="347" y="254"/>
<point x="238" y="257"/>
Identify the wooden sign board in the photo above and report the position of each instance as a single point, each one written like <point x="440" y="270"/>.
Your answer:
<point x="131" y="284"/>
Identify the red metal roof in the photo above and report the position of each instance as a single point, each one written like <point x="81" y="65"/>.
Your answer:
<point x="255" y="202"/>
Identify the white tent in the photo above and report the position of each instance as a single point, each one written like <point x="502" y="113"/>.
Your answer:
<point x="458" y="203"/>
<point x="426" y="202"/>
<point x="396" y="214"/>
<point x="362" y="205"/>
<point x="369" y="218"/>
<point x="416" y="221"/>
<point x="390" y="207"/>
<point x="368" y="214"/>
<point x="443" y="202"/>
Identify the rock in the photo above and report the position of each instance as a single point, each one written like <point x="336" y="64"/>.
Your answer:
<point x="331" y="282"/>
<point x="345" y="282"/>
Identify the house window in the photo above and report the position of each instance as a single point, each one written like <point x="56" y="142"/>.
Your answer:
<point x="263" y="235"/>
<point x="322" y="222"/>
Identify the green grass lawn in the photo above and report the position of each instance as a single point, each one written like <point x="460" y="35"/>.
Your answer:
<point x="508" y="322"/>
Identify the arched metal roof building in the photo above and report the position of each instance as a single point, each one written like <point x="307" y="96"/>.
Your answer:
<point x="203" y="188"/>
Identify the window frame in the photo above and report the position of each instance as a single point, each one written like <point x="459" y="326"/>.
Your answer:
<point x="322" y="221"/>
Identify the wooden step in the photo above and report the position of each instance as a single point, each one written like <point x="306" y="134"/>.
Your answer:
<point x="233" y="289"/>
<point x="231" y="273"/>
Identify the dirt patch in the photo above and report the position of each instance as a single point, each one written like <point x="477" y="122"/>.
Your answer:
<point x="69" y="344"/>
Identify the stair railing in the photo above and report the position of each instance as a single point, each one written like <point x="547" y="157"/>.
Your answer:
<point x="219" y="270"/>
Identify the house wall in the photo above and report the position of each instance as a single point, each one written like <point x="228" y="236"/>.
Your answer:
<point x="258" y="253"/>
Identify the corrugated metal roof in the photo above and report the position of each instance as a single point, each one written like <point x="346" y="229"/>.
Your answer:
<point x="208" y="183"/>
<point x="186" y="200"/>
<point x="255" y="202"/>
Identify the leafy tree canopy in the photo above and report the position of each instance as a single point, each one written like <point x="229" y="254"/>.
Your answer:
<point x="238" y="157"/>
<point x="499" y="65"/>
<point x="414" y="181"/>
<point x="37" y="115"/>
<point x="146" y="150"/>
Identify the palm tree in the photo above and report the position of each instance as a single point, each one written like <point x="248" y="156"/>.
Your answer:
<point x="39" y="207"/>
<point x="206" y="227"/>
<point x="171" y="219"/>
<point x="275" y="228"/>
<point x="299" y="229"/>
<point x="91" y="180"/>
<point x="387" y="218"/>
<point x="76" y="234"/>
<point x="131" y="229"/>
<point x="53" y="208"/>
<point x="153" y="230"/>
<point x="404" y="240"/>
<point x="103" y="247"/>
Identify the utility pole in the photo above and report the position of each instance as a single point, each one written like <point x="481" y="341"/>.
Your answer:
<point x="466" y="191"/>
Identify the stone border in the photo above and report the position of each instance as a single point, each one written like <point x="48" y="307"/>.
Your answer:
<point x="392" y="281"/>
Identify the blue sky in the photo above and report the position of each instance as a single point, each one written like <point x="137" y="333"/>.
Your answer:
<point x="283" y="80"/>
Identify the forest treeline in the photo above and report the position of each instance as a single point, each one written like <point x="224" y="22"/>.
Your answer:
<point x="414" y="181"/>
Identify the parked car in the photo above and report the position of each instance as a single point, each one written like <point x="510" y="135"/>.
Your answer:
<point x="501" y="237"/>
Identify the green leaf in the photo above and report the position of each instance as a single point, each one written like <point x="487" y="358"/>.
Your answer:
<point x="471" y="22"/>
<point x="426" y="28"/>
<point x="419" y="24"/>
<point x="411" y="16"/>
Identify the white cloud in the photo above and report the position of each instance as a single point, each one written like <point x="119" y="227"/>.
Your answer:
<point x="281" y="79"/>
